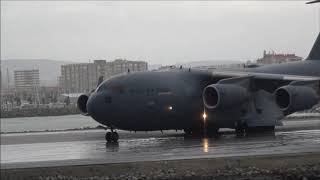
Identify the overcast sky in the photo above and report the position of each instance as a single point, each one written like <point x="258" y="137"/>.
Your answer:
<point x="159" y="32"/>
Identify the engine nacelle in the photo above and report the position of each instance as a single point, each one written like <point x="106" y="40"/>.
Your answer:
<point x="295" y="98"/>
<point x="82" y="104"/>
<point x="224" y="95"/>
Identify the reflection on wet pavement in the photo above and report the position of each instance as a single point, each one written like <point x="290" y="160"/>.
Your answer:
<point x="158" y="148"/>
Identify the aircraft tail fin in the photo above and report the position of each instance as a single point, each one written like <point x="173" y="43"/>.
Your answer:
<point x="315" y="51"/>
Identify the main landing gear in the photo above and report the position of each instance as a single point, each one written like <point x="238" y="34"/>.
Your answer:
<point x="208" y="132"/>
<point x="243" y="130"/>
<point x="112" y="136"/>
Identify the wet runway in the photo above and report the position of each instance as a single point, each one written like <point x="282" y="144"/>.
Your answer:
<point x="89" y="147"/>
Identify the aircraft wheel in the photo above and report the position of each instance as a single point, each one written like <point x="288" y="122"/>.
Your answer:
<point x="112" y="137"/>
<point x="270" y="128"/>
<point x="262" y="130"/>
<point x="115" y="137"/>
<point x="187" y="132"/>
<point x="241" y="130"/>
<point x="108" y="136"/>
<point x="197" y="132"/>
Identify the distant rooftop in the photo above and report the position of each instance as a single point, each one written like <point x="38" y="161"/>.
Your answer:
<point x="271" y="57"/>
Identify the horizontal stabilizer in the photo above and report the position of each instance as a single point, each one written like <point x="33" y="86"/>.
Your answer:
<point x="315" y="51"/>
<point x="311" y="2"/>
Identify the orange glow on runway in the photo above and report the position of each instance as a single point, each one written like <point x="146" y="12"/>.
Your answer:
<point x="205" y="145"/>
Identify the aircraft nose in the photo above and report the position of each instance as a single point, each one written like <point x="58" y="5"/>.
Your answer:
<point x="91" y="104"/>
<point x="97" y="107"/>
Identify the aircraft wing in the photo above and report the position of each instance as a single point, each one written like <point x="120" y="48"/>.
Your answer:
<point x="265" y="76"/>
<point x="268" y="97"/>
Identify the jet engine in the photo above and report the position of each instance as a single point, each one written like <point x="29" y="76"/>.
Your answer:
<point x="224" y="95"/>
<point x="82" y="104"/>
<point x="292" y="98"/>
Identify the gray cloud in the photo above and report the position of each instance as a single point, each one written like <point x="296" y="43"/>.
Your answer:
<point x="159" y="32"/>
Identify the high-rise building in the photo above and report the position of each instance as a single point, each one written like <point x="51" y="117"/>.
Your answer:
<point x="77" y="78"/>
<point x="83" y="77"/>
<point x="121" y="65"/>
<point x="27" y="80"/>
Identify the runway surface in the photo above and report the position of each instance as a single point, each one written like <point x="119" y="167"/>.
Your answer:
<point x="89" y="147"/>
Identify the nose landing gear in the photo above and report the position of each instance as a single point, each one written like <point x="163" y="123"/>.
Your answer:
<point x="112" y="136"/>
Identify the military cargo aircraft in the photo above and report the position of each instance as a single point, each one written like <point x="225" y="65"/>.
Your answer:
<point x="205" y="100"/>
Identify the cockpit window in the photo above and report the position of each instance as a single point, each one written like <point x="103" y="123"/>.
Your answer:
<point x="116" y="89"/>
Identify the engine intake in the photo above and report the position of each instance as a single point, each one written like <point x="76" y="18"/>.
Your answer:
<point x="295" y="98"/>
<point x="82" y="104"/>
<point x="224" y="95"/>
